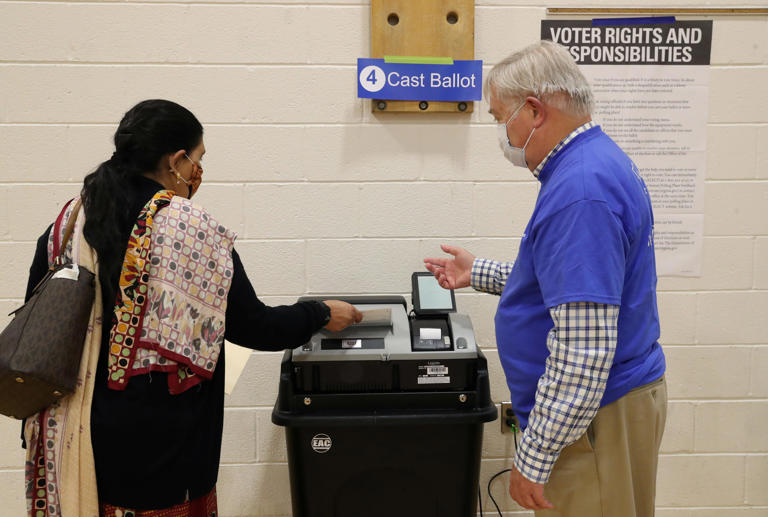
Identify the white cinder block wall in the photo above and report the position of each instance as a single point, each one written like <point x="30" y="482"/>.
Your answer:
<point x="328" y="198"/>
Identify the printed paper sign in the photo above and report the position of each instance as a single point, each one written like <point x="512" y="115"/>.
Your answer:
<point x="650" y="78"/>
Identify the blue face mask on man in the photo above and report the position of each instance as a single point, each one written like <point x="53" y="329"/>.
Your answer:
<point x="516" y="155"/>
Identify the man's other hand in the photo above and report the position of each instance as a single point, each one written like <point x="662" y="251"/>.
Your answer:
<point x="526" y="493"/>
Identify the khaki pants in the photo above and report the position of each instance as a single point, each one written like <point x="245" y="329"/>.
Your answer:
<point x="611" y="470"/>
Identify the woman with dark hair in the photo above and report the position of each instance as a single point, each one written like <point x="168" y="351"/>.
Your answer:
<point x="141" y="435"/>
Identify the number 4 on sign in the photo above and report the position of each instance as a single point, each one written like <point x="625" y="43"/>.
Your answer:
<point x="372" y="78"/>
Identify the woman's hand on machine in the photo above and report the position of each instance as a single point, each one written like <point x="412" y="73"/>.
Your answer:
<point x="342" y="315"/>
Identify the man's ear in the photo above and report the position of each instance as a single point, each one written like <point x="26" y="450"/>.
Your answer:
<point x="539" y="111"/>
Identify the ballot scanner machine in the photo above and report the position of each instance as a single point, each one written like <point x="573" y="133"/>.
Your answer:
<point x="386" y="417"/>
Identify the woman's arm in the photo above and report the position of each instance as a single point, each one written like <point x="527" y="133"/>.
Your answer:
<point x="252" y="324"/>
<point x="39" y="266"/>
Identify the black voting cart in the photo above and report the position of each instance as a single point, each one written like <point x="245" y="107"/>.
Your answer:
<point x="380" y="449"/>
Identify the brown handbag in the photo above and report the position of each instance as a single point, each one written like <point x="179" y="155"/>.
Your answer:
<point x="41" y="348"/>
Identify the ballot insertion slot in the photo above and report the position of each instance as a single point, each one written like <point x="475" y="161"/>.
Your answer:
<point x="351" y="343"/>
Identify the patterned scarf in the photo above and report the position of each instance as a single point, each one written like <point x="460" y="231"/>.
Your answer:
<point x="172" y="301"/>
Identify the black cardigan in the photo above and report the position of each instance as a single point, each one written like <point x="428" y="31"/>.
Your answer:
<point x="153" y="449"/>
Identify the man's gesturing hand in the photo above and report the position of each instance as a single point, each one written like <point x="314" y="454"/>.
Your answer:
<point x="451" y="273"/>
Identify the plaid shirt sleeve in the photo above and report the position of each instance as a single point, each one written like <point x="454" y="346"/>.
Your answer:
<point x="582" y="345"/>
<point x="489" y="276"/>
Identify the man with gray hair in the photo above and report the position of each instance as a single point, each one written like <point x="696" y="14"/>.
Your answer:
<point x="577" y="325"/>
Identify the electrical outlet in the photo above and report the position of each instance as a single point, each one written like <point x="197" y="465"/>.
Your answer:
<point x="508" y="419"/>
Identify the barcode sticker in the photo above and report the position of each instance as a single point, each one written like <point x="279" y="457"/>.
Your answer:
<point x="437" y="370"/>
<point x="433" y="373"/>
<point x="434" y="380"/>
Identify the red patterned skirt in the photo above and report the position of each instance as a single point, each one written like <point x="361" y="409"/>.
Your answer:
<point x="204" y="506"/>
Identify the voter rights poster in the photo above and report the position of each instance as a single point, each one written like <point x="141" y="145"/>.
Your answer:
<point x="651" y="86"/>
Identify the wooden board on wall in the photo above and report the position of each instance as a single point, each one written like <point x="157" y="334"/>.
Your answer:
<point x="433" y="28"/>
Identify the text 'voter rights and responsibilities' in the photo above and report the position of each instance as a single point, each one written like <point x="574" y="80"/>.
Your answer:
<point x="661" y="45"/>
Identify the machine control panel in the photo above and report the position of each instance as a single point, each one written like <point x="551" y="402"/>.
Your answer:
<point x="430" y="324"/>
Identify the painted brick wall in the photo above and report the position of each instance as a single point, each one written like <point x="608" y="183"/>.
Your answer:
<point x="328" y="198"/>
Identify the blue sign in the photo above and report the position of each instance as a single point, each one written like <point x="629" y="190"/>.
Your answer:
<point x="460" y="81"/>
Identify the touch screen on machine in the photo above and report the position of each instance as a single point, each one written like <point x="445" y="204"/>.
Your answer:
<point x="432" y="296"/>
<point x="429" y="297"/>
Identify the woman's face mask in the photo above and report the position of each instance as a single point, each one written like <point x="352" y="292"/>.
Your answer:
<point x="194" y="182"/>
<point x="516" y="155"/>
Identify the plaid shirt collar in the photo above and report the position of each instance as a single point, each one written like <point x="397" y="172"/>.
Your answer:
<point x="576" y="132"/>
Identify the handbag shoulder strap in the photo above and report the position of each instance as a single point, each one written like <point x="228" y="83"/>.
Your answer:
<point x="67" y="233"/>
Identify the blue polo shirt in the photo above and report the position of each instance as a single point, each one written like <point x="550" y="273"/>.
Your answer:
<point x="590" y="239"/>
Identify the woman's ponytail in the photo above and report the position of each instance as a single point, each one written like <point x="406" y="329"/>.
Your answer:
<point x="105" y="216"/>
